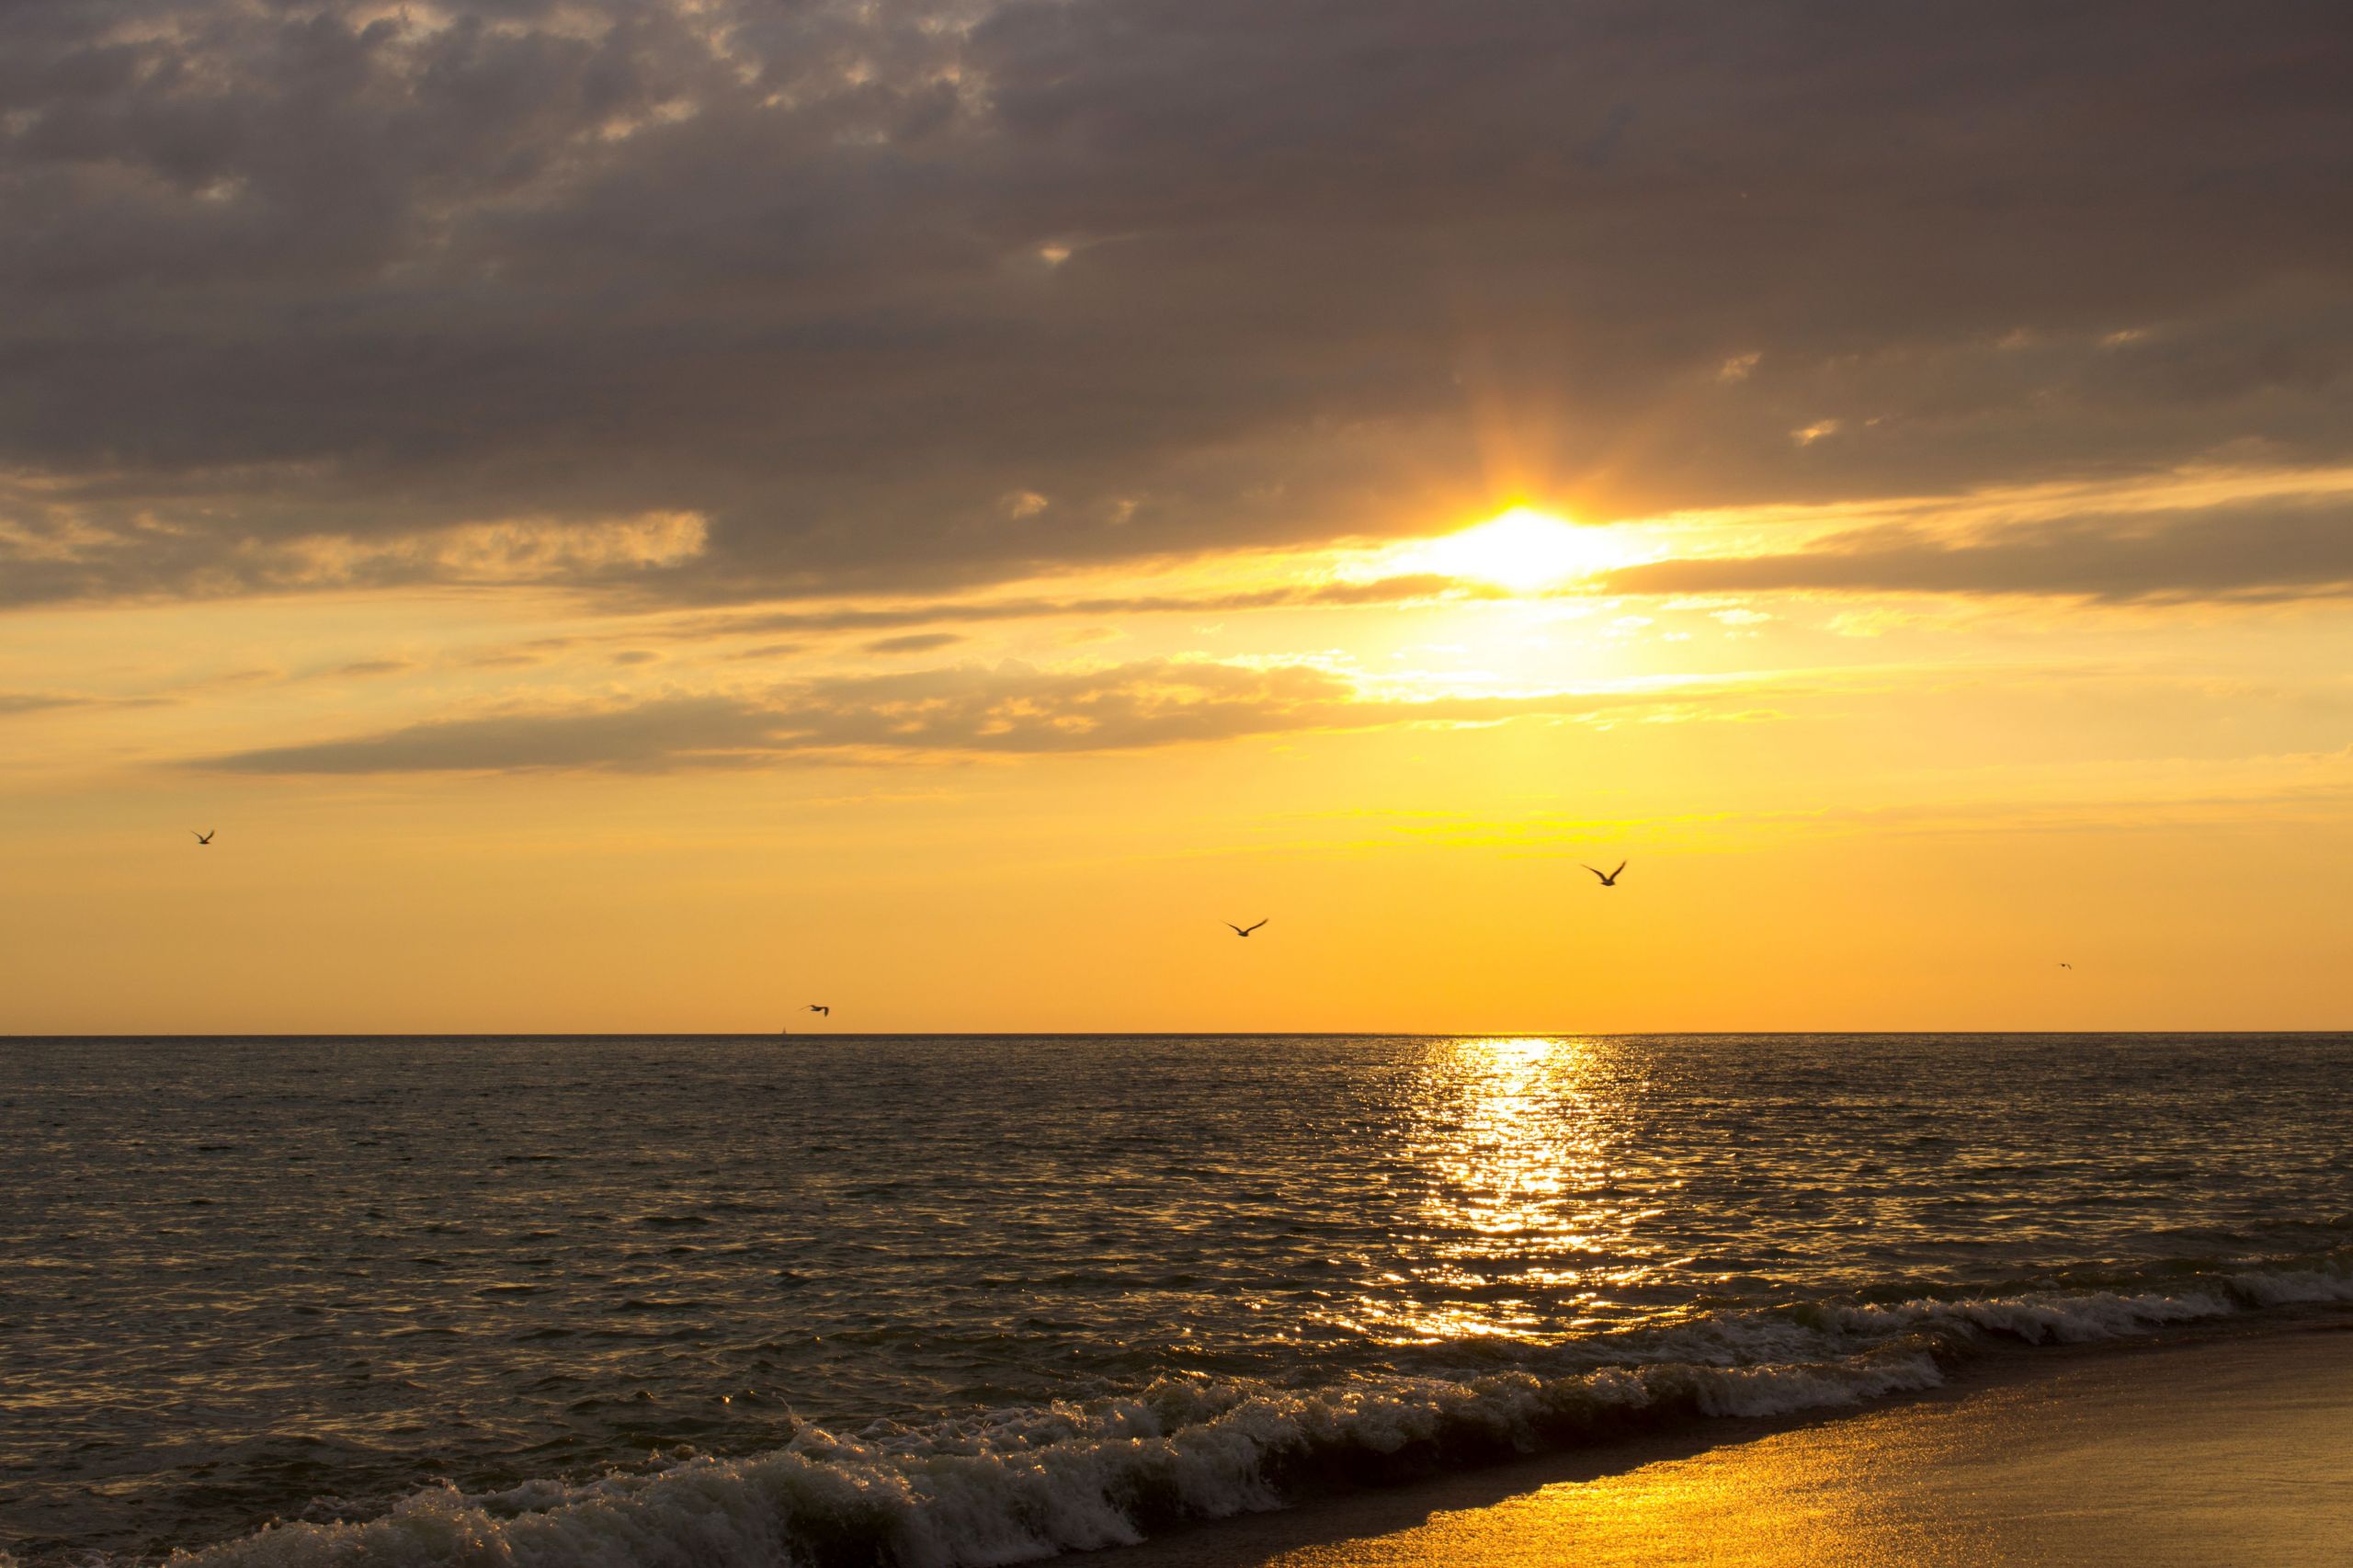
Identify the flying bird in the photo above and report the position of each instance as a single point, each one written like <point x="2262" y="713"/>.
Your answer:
<point x="1243" y="930"/>
<point x="204" y="837"/>
<point x="2064" y="964"/>
<point x="1608" y="879"/>
<point x="819" y="1008"/>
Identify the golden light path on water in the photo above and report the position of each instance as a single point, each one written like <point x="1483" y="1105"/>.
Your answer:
<point x="1538" y="1200"/>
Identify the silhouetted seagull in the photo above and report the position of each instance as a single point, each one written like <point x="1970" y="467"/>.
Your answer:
<point x="204" y="837"/>
<point x="818" y="1007"/>
<point x="1243" y="930"/>
<point x="1608" y="879"/>
<point x="2064" y="964"/>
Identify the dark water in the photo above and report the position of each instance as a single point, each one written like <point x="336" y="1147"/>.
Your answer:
<point x="640" y="1301"/>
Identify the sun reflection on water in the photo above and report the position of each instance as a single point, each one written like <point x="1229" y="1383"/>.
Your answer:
<point x="1528" y="1220"/>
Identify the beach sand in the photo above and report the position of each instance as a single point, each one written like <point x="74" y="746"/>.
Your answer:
<point x="2234" y="1451"/>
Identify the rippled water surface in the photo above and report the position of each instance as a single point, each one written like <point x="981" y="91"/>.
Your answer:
<point x="246" y="1281"/>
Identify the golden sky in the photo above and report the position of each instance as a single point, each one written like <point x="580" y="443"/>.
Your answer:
<point x="644" y="518"/>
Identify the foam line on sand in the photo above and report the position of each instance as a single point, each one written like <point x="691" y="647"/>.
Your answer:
<point x="2230" y="1451"/>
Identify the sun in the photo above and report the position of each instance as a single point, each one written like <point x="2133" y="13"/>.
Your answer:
<point x="1523" y="549"/>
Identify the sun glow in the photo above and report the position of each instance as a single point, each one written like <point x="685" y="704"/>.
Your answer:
<point x="1522" y="550"/>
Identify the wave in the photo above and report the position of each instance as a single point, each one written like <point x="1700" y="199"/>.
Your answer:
<point x="1019" y="1485"/>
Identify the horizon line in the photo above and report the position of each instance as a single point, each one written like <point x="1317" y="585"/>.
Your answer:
<point x="1147" y="1034"/>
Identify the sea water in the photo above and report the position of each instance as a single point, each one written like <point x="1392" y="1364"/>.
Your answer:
<point x="945" y="1301"/>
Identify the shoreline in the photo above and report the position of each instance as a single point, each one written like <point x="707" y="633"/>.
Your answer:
<point x="2281" y="1380"/>
<point x="2203" y="1447"/>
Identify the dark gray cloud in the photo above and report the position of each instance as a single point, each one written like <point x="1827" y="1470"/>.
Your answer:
<point x="922" y="293"/>
<point x="1009" y="709"/>
<point x="2277" y="551"/>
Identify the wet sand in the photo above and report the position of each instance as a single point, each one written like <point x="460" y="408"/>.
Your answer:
<point x="2231" y="1451"/>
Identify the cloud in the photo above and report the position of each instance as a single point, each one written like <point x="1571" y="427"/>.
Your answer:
<point x="81" y="554"/>
<point x="944" y="293"/>
<point x="16" y="702"/>
<point x="2286" y="549"/>
<point x="914" y="643"/>
<point x="35" y="703"/>
<point x="673" y="733"/>
<point x="1008" y="709"/>
<point x="1408" y="588"/>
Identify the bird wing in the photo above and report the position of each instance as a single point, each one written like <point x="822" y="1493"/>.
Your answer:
<point x="1230" y="927"/>
<point x="1260" y="923"/>
<point x="1595" y="870"/>
<point x="1621" y="865"/>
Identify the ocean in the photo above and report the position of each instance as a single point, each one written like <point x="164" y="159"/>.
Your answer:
<point x="636" y="1302"/>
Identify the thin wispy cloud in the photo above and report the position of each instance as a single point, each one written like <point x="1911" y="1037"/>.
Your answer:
<point x="914" y="643"/>
<point x="1008" y="709"/>
<point x="2248" y="552"/>
<point x="1394" y="590"/>
<point x="16" y="702"/>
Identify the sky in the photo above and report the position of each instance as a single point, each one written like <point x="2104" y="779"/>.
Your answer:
<point x="647" y="516"/>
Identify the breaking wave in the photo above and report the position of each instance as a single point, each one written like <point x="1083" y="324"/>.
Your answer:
<point x="1018" y="1485"/>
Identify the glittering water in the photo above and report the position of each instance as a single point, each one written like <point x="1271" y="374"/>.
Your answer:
<point x="924" y="1300"/>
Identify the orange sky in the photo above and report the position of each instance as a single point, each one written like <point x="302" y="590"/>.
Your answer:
<point x="1893" y="811"/>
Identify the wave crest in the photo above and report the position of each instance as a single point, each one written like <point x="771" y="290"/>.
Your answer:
<point x="1026" y="1484"/>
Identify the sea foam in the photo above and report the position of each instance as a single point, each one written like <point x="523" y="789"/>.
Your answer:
<point x="1023" y="1484"/>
